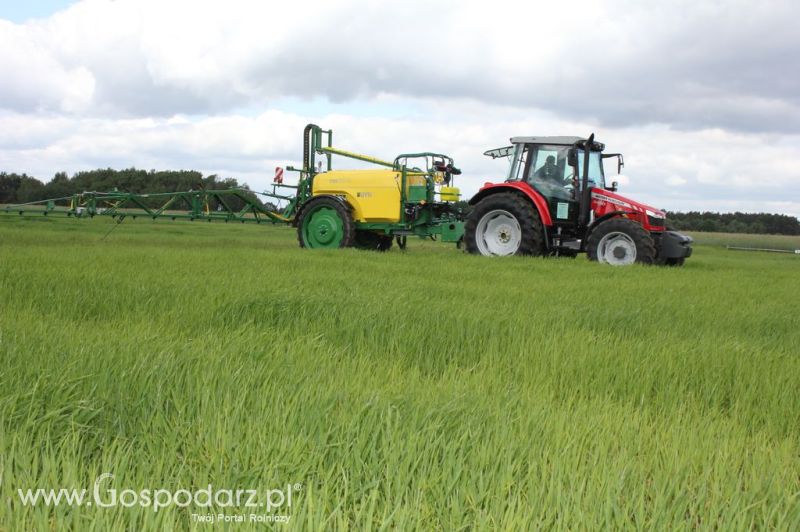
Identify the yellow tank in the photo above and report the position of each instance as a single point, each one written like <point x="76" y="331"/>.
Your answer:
<point x="373" y="194"/>
<point x="449" y="193"/>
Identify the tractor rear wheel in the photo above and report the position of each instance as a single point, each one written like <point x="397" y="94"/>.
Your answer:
<point x="620" y="242"/>
<point x="325" y="222"/>
<point x="504" y="224"/>
<point x="372" y="241"/>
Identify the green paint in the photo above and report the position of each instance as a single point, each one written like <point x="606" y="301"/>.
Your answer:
<point x="323" y="228"/>
<point x="417" y="193"/>
<point x="420" y="213"/>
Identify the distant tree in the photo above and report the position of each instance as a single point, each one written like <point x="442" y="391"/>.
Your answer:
<point x="30" y="189"/>
<point x="16" y="188"/>
<point x="19" y="188"/>
<point x="58" y="187"/>
<point x="9" y="183"/>
<point x="708" y="225"/>
<point x="737" y="222"/>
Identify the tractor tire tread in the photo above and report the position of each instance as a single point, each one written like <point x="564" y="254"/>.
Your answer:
<point x="532" y="242"/>
<point x="645" y="247"/>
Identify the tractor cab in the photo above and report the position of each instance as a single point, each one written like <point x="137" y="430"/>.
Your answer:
<point x="557" y="185"/>
<point x="552" y="166"/>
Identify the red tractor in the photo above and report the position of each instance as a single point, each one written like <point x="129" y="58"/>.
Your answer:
<point x="555" y="202"/>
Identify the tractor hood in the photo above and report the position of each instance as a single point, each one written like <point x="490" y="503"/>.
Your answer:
<point x="605" y="201"/>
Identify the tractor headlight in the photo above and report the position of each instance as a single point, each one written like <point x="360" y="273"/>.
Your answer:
<point x="655" y="218"/>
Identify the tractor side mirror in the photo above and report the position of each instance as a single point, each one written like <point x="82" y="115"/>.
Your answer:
<point x="620" y="160"/>
<point x="613" y="187"/>
<point x="571" y="157"/>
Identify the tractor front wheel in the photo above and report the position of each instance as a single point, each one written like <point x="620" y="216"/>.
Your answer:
<point x="620" y="242"/>
<point x="504" y="224"/>
<point x="325" y="222"/>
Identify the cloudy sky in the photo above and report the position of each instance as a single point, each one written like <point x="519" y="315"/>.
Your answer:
<point x="703" y="97"/>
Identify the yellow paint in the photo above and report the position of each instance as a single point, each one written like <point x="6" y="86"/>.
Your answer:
<point x="415" y="180"/>
<point x="373" y="194"/>
<point x="360" y="157"/>
<point x="449" y="193"/>
<point x="279" y="217"/>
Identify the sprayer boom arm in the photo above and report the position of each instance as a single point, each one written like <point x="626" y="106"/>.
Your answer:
<point x="235" y="204"/>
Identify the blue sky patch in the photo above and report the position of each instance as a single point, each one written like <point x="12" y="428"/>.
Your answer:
<point x="19" y="12"/>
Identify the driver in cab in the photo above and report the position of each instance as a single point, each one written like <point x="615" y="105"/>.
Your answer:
<point x="549" y="180"/>
<point x="549" y="172"/>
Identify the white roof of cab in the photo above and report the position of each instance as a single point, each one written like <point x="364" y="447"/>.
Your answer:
<point x="561" y="141"/>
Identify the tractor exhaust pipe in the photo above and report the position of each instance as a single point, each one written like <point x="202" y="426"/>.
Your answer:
<point x="307" y="132"/>
<point x="586" y="194"/>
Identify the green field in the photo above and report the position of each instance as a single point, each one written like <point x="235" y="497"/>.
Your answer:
<point x="757" y="241"/>
<point x="423" y="389"/>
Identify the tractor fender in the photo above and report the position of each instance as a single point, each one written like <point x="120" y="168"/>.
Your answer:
<point x="517" y="188"/>
<point x="309" y="200"/>
<point x="606" y="216"/>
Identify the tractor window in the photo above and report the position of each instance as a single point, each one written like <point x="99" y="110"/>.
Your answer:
<point x="517" y="162"/>
<point x="550" y="172"/>
<point x="596" y="178"/>
<point x="550" y="162"/>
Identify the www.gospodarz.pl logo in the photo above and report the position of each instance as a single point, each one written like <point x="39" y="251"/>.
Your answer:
<point x="273" y="504"/>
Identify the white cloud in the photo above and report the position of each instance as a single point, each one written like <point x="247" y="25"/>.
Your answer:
<point x="702" y="99"/>
<point x="617" y="63"/>
<point x="34" y="78"/>
<point x="664" y="167"/>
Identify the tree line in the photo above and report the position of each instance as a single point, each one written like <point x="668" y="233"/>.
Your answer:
<point x="737" y="222"/>
<point x="22" y="188"/>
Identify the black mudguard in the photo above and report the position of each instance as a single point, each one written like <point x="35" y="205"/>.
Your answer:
<point x="675" y="245"/>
